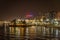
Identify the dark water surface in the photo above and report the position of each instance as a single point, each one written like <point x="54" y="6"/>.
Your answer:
<point x="29" y="33"/>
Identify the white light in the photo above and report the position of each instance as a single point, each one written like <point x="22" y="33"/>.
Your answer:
<point x="55" y="19"/>
<point x="18" y="20"/>
<point x="47" y="19"/>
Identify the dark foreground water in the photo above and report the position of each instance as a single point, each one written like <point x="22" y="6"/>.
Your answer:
<point x="29" y="33"/>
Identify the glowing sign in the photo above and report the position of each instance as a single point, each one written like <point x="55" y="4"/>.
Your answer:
<point x="29" y="15"/>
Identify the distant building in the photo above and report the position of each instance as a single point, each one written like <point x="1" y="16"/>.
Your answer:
<point x="58" y="15"/>
<point x="52" y="15"/>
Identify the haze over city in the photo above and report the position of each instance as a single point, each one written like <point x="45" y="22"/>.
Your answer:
<point x="11" y="9"/>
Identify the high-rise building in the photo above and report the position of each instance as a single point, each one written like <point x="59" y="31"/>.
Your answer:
<point x="52" y="14"/>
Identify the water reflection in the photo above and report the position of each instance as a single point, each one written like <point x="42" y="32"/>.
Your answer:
<point x="33" y="33"/>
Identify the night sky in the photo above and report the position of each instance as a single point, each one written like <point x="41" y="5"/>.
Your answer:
<point x="11" y="9"/>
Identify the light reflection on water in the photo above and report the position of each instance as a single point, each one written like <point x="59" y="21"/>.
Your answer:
<point x="34" y="33"/>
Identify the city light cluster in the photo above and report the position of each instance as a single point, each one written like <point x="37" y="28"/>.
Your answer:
<point x="54" y="22"/>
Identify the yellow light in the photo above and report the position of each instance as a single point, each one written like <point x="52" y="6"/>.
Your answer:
<point x="55" y="19"/>
<point x="41" y="20"/>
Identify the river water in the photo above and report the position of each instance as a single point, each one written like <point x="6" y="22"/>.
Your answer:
<point x="31" y="33"/>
